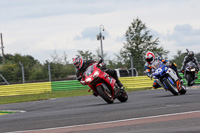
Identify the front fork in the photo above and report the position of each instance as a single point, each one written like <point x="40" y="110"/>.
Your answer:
<point x="179" y="84"/>
<point x="174" y="76"/>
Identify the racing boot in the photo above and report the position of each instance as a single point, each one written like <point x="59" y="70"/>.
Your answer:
<point x="120" y="85"/>
<point x="117" y="81"/>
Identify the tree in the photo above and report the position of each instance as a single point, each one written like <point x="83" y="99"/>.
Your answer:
<point x="178" y="59"/>
<point x="116" y="63"/>
<point x="87" y="55"/>
<point x="138" y="42"/>
<point x="59" y="59"/>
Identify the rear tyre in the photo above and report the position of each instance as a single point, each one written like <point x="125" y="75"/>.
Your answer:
<point x="123" y="96"/>
<point x="171" y="87"/>
<point x="183" y="90"/>
<point x="105" y="93"/>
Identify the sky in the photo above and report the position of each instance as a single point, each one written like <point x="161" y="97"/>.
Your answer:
<point x="42" y="27"/>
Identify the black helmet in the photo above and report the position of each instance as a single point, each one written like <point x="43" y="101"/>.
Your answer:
<point x="191" y="54"/>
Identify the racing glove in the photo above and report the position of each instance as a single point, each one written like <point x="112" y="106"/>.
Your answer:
<point x="82" y="82"/>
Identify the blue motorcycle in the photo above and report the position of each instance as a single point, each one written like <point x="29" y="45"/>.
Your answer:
<point x="166" y="77"/>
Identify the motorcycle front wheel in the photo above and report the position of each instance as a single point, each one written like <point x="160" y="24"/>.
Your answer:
<point x="105" y="93"/>
<point x="189" y="79"/>
<point x="171" y="87"/>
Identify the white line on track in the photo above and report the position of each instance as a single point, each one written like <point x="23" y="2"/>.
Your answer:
<point x="140" y="118"/>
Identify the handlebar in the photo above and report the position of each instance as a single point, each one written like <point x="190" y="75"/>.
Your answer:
<point x="100" y="61"/>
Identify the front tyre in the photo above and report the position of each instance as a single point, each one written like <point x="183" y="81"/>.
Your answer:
<point x="189" y="79"/>
<point x="171" y="87"/>
<point x="123" y="96"/>
<point x="105" y="93"/>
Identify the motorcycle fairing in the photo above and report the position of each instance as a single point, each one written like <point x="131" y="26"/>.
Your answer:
<point x="172" y="74"/>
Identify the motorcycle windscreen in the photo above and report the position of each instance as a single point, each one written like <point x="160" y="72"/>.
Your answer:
<point x="190" y="66"/>
<point x="159" y="68"/>
<point x="157" y="64"/>
<point x="89" y="70"/>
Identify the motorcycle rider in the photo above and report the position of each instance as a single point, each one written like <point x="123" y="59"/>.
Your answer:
<point x="150" y="58"/>
<point x="188" y="58"/>
<point x="82" y="66"/>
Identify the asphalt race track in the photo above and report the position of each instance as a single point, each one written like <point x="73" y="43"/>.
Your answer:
<point x="150" y="111"/>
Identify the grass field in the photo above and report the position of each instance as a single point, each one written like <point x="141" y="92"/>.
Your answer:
<point x="46" y="96"/>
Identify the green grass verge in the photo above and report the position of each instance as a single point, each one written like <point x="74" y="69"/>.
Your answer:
<point x="6" y="112"/>
<point x="46" y="96"/>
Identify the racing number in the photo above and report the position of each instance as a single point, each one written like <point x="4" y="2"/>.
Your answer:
<point x="159" y="70"/>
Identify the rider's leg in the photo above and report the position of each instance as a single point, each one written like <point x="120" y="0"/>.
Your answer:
<point x="174" y="67"/>
<point x="155" y="85"/>
<point x="196" y="75"/>
<point x="113" y="74"/>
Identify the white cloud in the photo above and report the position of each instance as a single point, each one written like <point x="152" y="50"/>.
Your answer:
<point x="38" y="27"/>
<point x="182" y="37"/>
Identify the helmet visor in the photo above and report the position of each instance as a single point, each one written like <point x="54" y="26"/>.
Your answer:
<point x="191" y="55"/>
<point x="77" y="64"/>
<point x="149" y="59"/>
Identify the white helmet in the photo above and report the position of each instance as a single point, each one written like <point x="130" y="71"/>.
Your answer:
<point x="150" y="57"/>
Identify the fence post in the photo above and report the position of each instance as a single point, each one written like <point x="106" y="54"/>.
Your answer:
<point x="23" y="78"/>
<point x="49" y="69"/>
<point x="131" y="64"/>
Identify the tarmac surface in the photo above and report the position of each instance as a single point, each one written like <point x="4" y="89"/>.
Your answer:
<point x="150" y="111"/>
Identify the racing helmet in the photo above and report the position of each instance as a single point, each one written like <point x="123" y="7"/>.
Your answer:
<point x="191" y="54"/>
<point x="150" y="57"/>
<point x="78" y="62"/>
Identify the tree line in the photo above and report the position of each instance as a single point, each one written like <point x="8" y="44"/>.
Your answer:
<point x="138" y="42"/>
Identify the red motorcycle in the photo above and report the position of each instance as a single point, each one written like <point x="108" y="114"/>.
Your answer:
<point x="103" y="84"/>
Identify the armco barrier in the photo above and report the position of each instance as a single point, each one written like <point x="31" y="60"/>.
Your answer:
<point x="137" y="82"/>
<point x="67" y="85"/>
<point x="129" y="82"/>
<point x="36" y="88"/>
<point x="23" y="89"/>
<point x="197" y="81"/>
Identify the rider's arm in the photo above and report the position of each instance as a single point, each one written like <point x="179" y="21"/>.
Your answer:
<point x="148" y="71"/>
<point x="164" y="61"/>
<point x="78" y="75"/>
<point x="196" y="62"/>
<point x="79" y="78"/>
<point x="89" y="62"/>
<point x="183" y="63"/>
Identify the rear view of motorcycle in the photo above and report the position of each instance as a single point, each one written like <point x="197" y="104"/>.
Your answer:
<point x="189" y="73"/>
<point x="167" y="78"/>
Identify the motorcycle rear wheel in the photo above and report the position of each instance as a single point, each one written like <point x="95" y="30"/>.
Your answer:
<point x="183" y="90"/>
<point x="105" y="94"/>
<point x="123" y="97"/>
<point x="171" y="87"/>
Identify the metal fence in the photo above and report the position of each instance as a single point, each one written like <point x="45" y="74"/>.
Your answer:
<point x="19" y="73"/>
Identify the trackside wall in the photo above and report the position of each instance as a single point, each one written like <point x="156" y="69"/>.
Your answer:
<point x="67" y="85"/>
<point x="23" y="89"/>
<point x="135" y="83"/>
